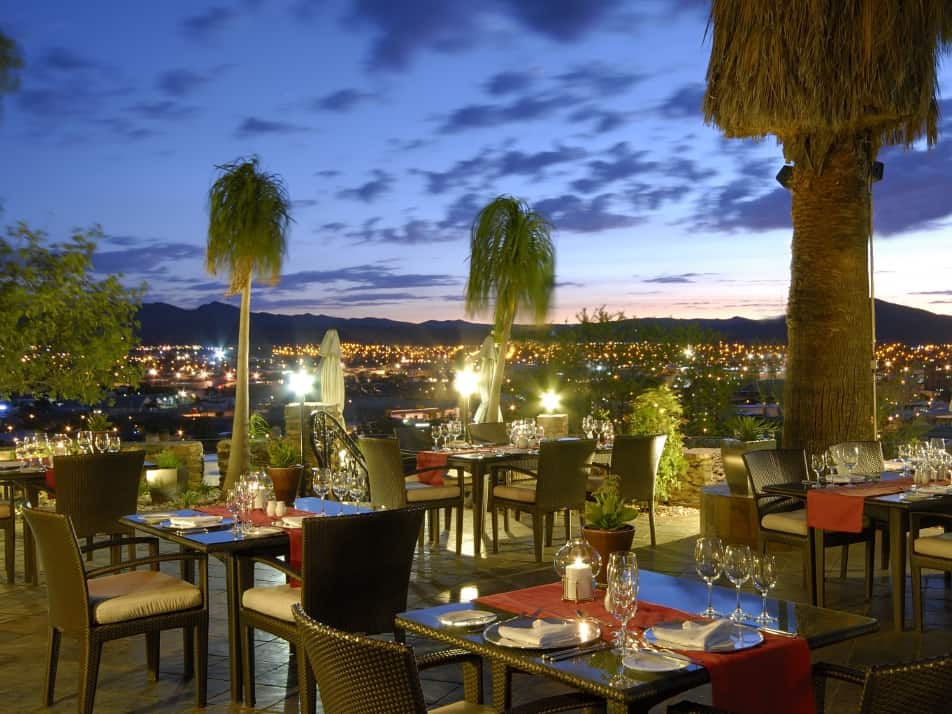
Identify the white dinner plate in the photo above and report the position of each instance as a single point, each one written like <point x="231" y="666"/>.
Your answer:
<point x="291" y="521"/>
<point x="262" y="531"/>
<point x="742" y="636"/>
<point x="12" y="465"/>
<point x="647" y="661"/>
<point x="588" y="632"/>
<point x="153" y="518"/>
<point x="467" y="618"/>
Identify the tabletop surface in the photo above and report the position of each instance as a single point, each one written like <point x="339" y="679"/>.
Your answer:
<point x="891" y="500"/>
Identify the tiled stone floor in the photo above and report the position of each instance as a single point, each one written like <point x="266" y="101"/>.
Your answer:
<point x="439" y="576"/>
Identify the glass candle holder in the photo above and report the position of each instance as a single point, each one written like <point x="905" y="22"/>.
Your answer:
<point x="577" y="563"/>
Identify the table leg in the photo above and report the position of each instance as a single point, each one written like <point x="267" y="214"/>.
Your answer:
<point x="234" y="636"/>
<point x="502" y="686"/>
<point x="898" y="527"/>
<point x="478" y="474"/>
<point x="30" y="565"/>
<point x="819" y="573"/>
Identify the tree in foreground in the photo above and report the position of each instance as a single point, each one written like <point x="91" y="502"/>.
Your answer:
<point x="10" y="63"/>
<point x="512" y="268"/>
<point x="833" y="81"/>
<point x="63" y="333"/>
<point x="248" y="219"/>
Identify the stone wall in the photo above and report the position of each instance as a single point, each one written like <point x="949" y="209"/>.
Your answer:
<point x="704" y="467"/>
<point x="191" y="453"/>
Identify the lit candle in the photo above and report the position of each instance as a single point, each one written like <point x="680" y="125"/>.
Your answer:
<point x="578" y="581"/>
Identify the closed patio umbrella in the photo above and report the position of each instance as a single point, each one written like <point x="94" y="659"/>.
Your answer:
<point x="487" y="365"/>
<point x="332" y="372"/>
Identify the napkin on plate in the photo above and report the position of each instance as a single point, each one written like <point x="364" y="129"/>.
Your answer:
<point x="542" y="633"/>
<point x="711" y="636"/>
<point x="194" y="521"/>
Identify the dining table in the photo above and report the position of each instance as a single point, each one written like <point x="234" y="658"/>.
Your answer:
<point x="221" y="542"/>
<point x="891" y="508"/>
<point x="767" y="666"/>
<point x="30" y="479"/>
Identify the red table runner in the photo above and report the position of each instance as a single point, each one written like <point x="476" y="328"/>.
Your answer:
<point x="841" y="508"/>
<point x="432" y="458"/>
<point x="773" y="677"/>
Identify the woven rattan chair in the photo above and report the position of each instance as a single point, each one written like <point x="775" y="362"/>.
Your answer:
<point x="355" y="571"/>
<point x="8" y="522"/>
<point x="869" y="461"/>
<point x="489" y="432"/>
<point x="635" y="459"/>
<point x="921" y="687"/>
<point x="359" y="675"/>
<point x="932" y="551"/>
<point x="104" y="604"/>
<point x="784" y="520"/>
<point x="390" y="487"/>
<point x="560" y="484"/>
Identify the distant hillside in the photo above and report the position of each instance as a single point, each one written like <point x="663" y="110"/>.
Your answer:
<point x="217" y="324"/>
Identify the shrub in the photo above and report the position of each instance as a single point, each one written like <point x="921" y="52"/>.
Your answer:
<point x="658" y="411"/>
<point x="608" y="511"/>
<point x="282" y="453"/>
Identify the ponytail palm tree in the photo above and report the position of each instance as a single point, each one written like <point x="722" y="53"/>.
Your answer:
<point x="833" y="81"/>
<point x="512" y="267"/>
<point x="248" y="218"/>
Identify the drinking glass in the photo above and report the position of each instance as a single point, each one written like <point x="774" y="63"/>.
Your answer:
<point x="340" y="488"/>
<point x="322" y="485"/>
<point x="232" y="503"/>
<point x="850" y="458"/>
<point x="763" y="574"/>
<point x="622" y="597"/>
<point x="84" y="441"/>
<point x="356" y="486"/>
<point x="708" y="557"/>
<point x="114" y="444"/>
<point x="437" y="431"/>
<point x="737" y="570"/>
<point x="818" y="464"/>
<point x="101" y="442"/>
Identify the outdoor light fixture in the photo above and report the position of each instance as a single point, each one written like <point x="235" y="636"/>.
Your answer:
<point x="550" y="401"/>
<point x="466" y="384"/>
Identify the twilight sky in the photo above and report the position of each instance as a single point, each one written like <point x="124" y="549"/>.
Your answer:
<point x="393" y="122"/>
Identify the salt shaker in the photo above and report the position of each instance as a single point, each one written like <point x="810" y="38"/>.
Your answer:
<point x="272" y="509"/>
<point x="280" y="509"/>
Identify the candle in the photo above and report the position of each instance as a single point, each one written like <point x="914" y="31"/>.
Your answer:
<point x="577" y="584"/>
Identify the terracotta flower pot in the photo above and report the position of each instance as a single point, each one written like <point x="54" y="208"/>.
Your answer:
<point x="606" y="542"/>
<point x="286" y="482"/>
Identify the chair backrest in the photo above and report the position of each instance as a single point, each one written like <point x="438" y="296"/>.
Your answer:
<point x="776" y="466"/>
<point x="921" y="687"/>
<point x="95" y="490"/>
<point x="563" y="472"/>
<point x="356" y="568"/>
<point x="359" y="675"/>
<point x="870" y="460"/>
<point x="732" y="457"/>
<point x="635" y="459"/>
<point x="413" y="439"/>
<point x="388" y="488"/>
<point x="66" y="589"/>
<point x="488" y="432"/>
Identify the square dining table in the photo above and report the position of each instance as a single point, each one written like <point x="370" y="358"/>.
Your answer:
<point x="598" y="672"/>
<point x="31" y="480"/>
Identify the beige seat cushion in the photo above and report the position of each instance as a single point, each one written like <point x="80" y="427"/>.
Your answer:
<point x="462" y="708"/>
<point x="525" y="494"/>
<point x="793" y="522"/>
<point x="431" y="493"/>
<point x="939" y="546"/>
<point x="4" y="510"/>
<point x="273" y="601"/>
<point x="142" y="593"/>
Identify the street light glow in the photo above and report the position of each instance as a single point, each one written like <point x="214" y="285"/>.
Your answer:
<point x="550" y="401"/>
<point x="466" y="382"/>
<point x="300" y="383"/>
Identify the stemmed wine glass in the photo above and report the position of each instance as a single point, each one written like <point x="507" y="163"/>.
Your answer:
<point x="437" y="432"/>
<point x="622" y="597"/>
<point x="340" y="488"/>
<point x="850" y="458"/>
<point x="101" y="442"/>
<point x="321" y="483"/>
<point x="818" y="464"/>
<point x="356" y="486"/>
<point x="737" y="570"/>
<point x="763" y="574"/>
<point x="84" y="441"/>
<point x="114" y="445"/>
<point x="708" y="561"/>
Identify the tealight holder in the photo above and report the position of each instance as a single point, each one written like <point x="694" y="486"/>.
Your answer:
<point x="577" y="563"/>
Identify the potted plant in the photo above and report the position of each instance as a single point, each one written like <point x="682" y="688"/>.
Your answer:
<point x="749" y="434"/>
<point x="284" y="468"/>
<point x="607" y="526"/>
<point x="163" y="480"/>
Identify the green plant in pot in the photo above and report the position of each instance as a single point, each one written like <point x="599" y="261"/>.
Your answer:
<point x="164" y="479"/>
<point x="98" y="422"/>
<point x="284" y="468"/>
<point x="607" y="527"/>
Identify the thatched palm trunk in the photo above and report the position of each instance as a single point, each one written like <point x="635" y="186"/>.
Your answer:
<point x="495" y="394"/>
<point x="828" y="392"/>
<point x="240" y="447"/>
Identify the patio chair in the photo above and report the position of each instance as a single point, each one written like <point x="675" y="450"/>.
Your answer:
<point x="8" y="522"/>
<point x="489" y="432"/>
<point x="784" y="520"/>
<point x="105" y="604"/>
<point x="932" y="551"/>
<point x="870" y="461"/>
<point x="921" y="687"/>
<point x="635" y="459"/>
<point x="390" y="487"/>
<point x="560" y="484"/>
<point x="360" y="675"/>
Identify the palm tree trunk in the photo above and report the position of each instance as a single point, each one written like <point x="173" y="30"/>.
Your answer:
<point x="240" y="447"/>
<point x="828" y="391"/>
<point x="493" y="407"/>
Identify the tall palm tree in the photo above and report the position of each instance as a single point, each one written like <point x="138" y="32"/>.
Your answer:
<point x="248" y="218"/>
<point x="512" y="266"/>
<point x="833" y="81"/>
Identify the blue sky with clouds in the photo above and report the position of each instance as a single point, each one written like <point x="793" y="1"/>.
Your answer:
<point x="393" y="122"/>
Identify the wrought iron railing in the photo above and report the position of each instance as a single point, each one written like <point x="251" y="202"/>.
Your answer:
<point x="329" y="439"/>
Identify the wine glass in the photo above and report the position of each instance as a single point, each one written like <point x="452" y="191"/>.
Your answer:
<point x="818" y="464"/>
<point x="101" y="441"/>
<point x="232" y="503"/>
<point x="737" y="570"/>
<point x="708" y="555"/>
<point x="321" y="484"/>
<point x="438" y="432"/>
<point x="763" y="574"/>
<point x="114" y="444"/>
<point x="850" y="458"/>
<point x="339" y="488"/>
<point x="84" y="441"/>
<point x="622" y="600"/>
<point x="356" y="486"/>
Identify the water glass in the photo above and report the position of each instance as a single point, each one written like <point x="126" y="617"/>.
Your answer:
<point x="708" y="557"/>
<point x="763" y="574"/>
<point x="321" y="484"/>
<point x="737" y="570"/>
<point x="622" y="598"/>
<point x="340" y="488"/>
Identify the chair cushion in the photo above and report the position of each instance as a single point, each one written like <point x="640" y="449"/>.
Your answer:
<point x="594" y="482"/>
<point x="423" y="492"/>
<point x="462" y="708"/>
<point x="793" y="522"/>
<point x="938" y="546"/>
<point x="4" y="510"/>
<point x="141" y="593"/>
<point x="525" y="494"/>
<point x="274" y="601"/>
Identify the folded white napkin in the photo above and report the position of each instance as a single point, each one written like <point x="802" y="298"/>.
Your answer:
<point x="700" y="636"/>
<point x="12" y="464"/>
<point x="542" y="634"/>
<point x="194" y="521"/>
<point x="934" y="488"/>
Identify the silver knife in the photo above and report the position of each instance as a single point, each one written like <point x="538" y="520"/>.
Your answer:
<point x="575" y="652"/>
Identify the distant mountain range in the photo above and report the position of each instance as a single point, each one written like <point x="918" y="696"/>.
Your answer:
<point x="217" y="324"/>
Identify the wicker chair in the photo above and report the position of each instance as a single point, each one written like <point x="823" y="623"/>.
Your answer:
<point x="97" y="609"/>
<point x="934" y="552"/>
<point x="870" y="461"/>
<point x="8" y="522"/>
<point x="635" y="459"/>
<point x="489" y="432"/>
<point x="390" y="487"/>
<point x="560" y="484"/>
<point x="784" y="520"/>
<point x="359" y="675"/>
<point x="921" y="687"/>
<point x="355" y="571"/>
